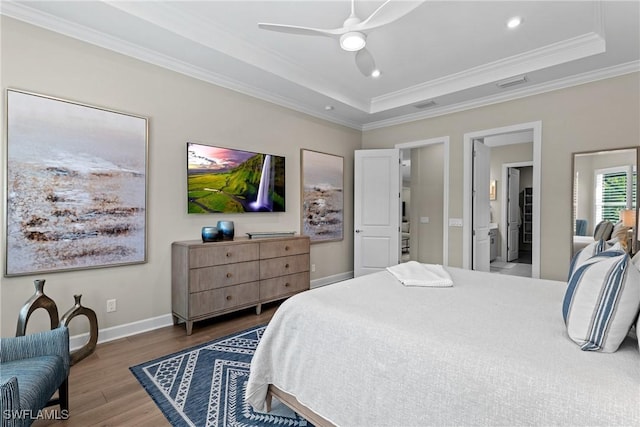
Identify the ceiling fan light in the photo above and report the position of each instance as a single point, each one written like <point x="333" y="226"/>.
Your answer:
<point x="375" y="73"/>
<point x="352" y="41"/>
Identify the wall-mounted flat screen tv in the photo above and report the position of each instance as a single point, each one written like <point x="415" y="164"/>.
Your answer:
<point x="228" y="180"/>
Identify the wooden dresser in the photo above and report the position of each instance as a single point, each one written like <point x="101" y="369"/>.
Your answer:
<point x="209" y="279"/>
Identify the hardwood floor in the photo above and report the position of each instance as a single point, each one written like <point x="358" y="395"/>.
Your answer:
<point x="102" y="390"/>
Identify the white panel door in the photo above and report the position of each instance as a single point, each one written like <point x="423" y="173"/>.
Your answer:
<point x="513" y="220"/>
<point x="481" y="209"/>
<point x="376" y="240"/>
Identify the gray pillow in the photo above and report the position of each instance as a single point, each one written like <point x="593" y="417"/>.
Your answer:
<point x="603" y="231"/>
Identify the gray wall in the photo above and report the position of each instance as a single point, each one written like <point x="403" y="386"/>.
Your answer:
<point x="599" y="115"/>
<point x="427" y="168"/>
<point x="179" y="109"/>
<point x="184" y="109"/>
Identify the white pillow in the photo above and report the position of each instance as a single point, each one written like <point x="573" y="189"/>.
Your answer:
<point x="602" y="301"/>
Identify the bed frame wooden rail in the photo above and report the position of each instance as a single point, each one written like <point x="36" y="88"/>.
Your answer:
<point x="295" y="405"/>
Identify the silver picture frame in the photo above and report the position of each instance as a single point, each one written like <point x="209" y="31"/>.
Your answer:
<point x="76" y="185"/>
<point x="322" y="186"/>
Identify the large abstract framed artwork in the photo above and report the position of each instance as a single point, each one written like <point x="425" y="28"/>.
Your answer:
<point x="76" y="186"/>
<point x="322" y="196"/>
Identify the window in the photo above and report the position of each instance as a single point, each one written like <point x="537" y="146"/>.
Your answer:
<point x="615" y="189"/>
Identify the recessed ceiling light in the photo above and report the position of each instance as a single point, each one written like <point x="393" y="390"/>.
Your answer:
<point x="328" y="107"/>
<point x="376" y="73"/>
<point x="514" y="22"/>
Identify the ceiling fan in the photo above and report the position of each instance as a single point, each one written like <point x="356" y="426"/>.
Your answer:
<point x="353" y="33"/>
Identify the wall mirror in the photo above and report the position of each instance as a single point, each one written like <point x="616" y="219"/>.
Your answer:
<point x="604" y="184"/>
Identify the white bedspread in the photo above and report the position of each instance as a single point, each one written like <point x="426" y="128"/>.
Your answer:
<point x="491" y="350"/>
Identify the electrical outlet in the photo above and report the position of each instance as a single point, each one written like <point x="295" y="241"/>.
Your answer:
<point x="111" y="305"/>
<point x="313" y="267"/>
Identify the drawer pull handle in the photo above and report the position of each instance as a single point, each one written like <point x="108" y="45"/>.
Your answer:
<point x="229" y="275"/>
<point x="286" y="248"/>
<point x="228" y="297"/>
<point x="286" y="265"/>
<point x="228" y="254"/>
<point x="286" y="285"/>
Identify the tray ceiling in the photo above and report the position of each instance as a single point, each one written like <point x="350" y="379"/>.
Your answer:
<point x="439" y="58"/>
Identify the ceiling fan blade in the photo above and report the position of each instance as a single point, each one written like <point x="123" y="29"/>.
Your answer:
<point x="388" y="12"/>
<point x="365" y="62"/>
<point x="304" y="31"/>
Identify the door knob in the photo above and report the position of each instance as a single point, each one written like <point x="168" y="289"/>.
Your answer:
<point x="358" y="231"/>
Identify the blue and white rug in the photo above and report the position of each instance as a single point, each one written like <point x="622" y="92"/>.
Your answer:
<point x="205" y="385"/>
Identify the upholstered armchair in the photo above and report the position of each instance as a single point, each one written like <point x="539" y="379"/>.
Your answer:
<point x="32" y="368"/>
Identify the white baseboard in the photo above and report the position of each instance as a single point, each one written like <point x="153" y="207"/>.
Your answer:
<point x="134" y="328"/>
<point x="323" y="281"/>
<point x="122" y="331"/>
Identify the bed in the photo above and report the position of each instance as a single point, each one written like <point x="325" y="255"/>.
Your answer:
<point x="491" y="350"/>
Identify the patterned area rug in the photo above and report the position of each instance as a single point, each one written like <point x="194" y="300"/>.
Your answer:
<point x="205" y="385"/>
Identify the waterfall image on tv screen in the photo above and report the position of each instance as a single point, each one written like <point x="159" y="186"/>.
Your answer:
<point x="228" y="180"/>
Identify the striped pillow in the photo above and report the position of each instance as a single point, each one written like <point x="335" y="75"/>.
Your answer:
<point x="590" y="250"/>
<point x="602" y="301"/>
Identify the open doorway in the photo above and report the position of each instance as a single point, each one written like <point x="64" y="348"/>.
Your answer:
<point x="513" y="207"/>
<point x="424" y="233"/>
<point x="507" y="139"/>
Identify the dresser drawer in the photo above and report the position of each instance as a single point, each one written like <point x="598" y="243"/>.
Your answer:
<point x="211" y="279"/>
<point x="278" y="248"/>
<point x="284" y="265"/>
<point x="207" y="302"/>
<point x="224" y="254"/>
<point x="202" y="279"/>
<point x="284" y="285"/>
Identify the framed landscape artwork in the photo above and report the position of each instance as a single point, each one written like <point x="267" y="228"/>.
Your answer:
<point x="322" y="196"/>
<point x="76" y="186"/>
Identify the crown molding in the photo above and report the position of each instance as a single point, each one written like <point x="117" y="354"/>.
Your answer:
<point x="536" y="59"/>
<point x="190" y="27"/>
<point x="577" y="47"/>
<point x="88" y="35"/>
<point x="576" y="80"/>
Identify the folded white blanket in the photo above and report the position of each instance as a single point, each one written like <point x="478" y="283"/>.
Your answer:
<point x="413" y="273"/>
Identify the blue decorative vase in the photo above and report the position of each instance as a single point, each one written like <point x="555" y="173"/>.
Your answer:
<point x="226" y="229"/>
<point x="209" y="234"/>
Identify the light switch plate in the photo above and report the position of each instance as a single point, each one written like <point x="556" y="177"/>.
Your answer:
<point x="455" y="222"/>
